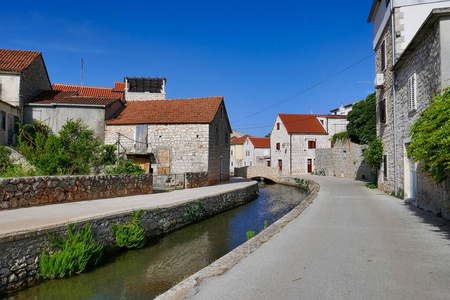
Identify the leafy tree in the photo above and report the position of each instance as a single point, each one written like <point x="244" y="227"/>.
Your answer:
<point x="361" y="125"/>
<point x="125" y="167"/>
<point x="430" y="138"/>
<point x="373" y="155"/>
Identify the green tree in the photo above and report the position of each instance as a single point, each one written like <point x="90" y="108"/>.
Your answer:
<point x="373" y="155"/>
<point x="430" y="138"/>
<point x="361" y="125"/>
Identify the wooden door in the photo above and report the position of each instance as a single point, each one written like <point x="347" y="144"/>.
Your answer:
<point x="280" y="165"/>
<point x="309" y="165"/>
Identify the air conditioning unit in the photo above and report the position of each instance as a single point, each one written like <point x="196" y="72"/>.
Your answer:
<point x="379" y="81"/>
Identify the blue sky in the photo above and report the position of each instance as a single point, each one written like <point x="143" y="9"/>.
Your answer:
<point x="254" y="53"/>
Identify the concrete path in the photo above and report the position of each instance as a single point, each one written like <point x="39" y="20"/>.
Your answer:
<point x="40" y="217"/>
<point x="351" y="243"/>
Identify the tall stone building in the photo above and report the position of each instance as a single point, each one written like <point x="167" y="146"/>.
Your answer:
<point x="412" y="46"/>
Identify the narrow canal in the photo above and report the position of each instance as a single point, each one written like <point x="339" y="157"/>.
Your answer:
<point x="148" y="272"/>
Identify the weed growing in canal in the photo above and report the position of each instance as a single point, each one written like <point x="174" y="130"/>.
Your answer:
<point x="250" y="234"/>
<point x="132" y="233"/>
<point x="302" y="183"/>
<point x="265" y="224"/>
<point x="195" y="211"/>
<point x="71" y="254"/>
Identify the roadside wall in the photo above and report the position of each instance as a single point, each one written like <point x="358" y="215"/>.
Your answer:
<point x="344" y="160"/>
<point x="19" y="253"/>
<point x="29" y="191"/>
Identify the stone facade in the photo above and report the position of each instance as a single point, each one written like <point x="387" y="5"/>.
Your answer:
<point x="19" y="253"/>
<point x="33" y="80"/>
<point x="344" y="160"/>
<point x="181" y="148"/>
<point x="426" y="61"/>
<point x="29" y="191"/>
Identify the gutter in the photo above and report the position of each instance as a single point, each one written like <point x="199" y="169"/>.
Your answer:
<point x="394" y="100"/>
<point x="69" y="104"/>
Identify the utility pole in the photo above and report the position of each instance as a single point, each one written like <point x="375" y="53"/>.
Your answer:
<point x="82" y="63"/>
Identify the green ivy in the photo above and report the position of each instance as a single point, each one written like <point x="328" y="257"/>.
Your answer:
<point x="430" y="138"/>
<point x="361" y="125"/>
<point x="340" y="137"/>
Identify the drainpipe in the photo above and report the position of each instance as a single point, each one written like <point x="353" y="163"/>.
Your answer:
<point x="393" y="100"/>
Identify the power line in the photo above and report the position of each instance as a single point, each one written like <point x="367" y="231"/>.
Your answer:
<point x="305" y="90"/>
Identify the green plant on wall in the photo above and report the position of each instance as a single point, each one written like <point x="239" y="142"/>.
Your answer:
<point x="132" y="233"/>
<point x="71" y="254"/>
<point x="250" y="234"/>
<point x="430" y="138"/>
<point x="195" y="211"/>
<point x="373" y="155"/>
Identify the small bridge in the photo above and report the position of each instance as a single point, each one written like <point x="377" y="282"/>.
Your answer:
<point x="258" y="172"/>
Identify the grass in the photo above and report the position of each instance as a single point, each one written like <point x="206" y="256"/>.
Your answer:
<point x="131" y="234"/>
<point x="370" y="185"/>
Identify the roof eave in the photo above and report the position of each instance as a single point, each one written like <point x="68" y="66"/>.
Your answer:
<point x="373" y="9"/>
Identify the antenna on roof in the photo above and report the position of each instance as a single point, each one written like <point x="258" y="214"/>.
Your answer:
<point x="82" y="63"/>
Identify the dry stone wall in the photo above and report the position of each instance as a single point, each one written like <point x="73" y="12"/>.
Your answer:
<point x="29" y="191"/>
<point x="19" y="253"/>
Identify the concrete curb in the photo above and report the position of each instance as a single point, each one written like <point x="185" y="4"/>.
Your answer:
<point x="226" y="262"/>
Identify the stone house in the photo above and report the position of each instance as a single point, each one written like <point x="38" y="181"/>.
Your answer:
<point x="418" y="36"/>
<point x="395" y="24"/>
<point x="175" y="136"/>
<point x="54" y="108"/>
<point x="295" y="137"/>
<point x="22" y="75"/>
<point x="343" y="109"/>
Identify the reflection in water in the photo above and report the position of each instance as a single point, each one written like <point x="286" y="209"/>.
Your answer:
<point x="148" y="272"/>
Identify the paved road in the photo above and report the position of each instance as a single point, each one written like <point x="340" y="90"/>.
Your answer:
<point x="351" y="243"/>
<point x="40" y="217"/>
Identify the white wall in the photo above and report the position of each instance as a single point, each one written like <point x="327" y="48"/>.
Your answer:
<point x="280" y="136"/>
<point x="10" y="88"/>
<point x="135" y="96"/>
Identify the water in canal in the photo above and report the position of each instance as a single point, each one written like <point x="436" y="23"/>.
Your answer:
<point x="148" y="272"/>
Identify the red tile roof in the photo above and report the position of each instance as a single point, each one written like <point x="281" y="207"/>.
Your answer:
<point x="16" y="60"/>
<point x="297" y="123"/>
<point x="239" y="140"/>
<point x="119" y="86"/>
<point x="170" y="111"/>
<point x="90" y="91"/>
<point x="260" y="142"/>
<point x="70" y="97"/>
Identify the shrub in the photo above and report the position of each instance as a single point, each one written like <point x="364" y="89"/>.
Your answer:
<point x="373" y="155"/>
<point x="4" y="158"/>
<point x="71" y="255"/>
<point x="125" y="167"/>
<point x="108" y="156"/>
<point x="340" y="137"/>
<point x="371" y="185"/>
<point x="131" y="234"/>
<point x="361" y="125"/>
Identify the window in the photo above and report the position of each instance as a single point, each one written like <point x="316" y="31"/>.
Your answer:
<point x="248" y="142"/>
<point x="278" y="126"/>
<point x="250" y="163"/>
<point x="311" y="144"/>
<point x="383" y="56"/>
<point x="245" y="163"/>
<point x="385" y="166"/>
<point x="231" y="152"/>
<point x="382" y="108"/>
<point x="268" y="163"/>
<point x="321" y="122"/>
<point x="412" y="92"/>
<point x="231" y="163"/>
<point x="3" y="121"/>
<point x="247" y="152"/>
<point x="278" y="146"/>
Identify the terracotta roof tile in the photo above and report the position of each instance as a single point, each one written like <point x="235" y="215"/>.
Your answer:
<point x="70" y="97"/>
<point x="298" y="123"/>
<point x="90" y="91"/>
<point x="16" y="60"/>
<point x="260" y="142"/>
<point x="170" y="111"/>
<point x="239" y="140"/>
<point x="119" y="86"/>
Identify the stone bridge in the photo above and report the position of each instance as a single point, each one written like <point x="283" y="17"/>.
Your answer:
<point x="261" y="172"/>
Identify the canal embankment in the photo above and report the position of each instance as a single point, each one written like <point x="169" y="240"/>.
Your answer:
<point x="24" y="232"/>
<point x="225" y="263"/>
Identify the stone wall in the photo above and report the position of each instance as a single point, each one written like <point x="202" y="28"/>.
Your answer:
<point x="33" y="80"/>
<point x="195" y="180"/>
<point x="344" y="160"/>
<point x="19" y="253"/>
<point x="29" y="191"/>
